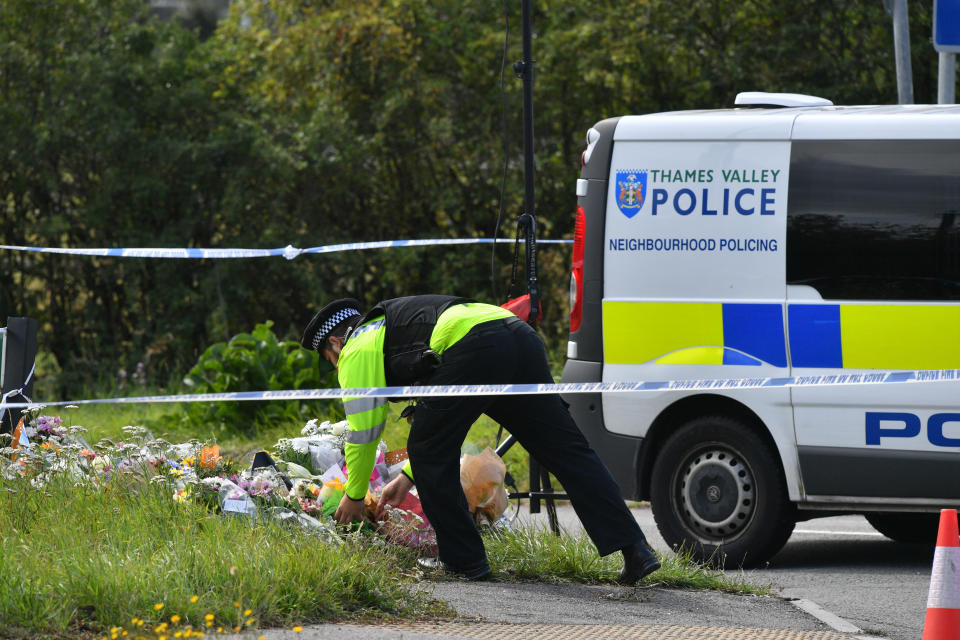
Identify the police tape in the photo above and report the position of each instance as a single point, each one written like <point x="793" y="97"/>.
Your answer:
<point x="289" y="252"/>
<point x="718" y="384"/>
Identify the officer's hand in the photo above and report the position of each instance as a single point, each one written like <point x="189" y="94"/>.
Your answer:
<point x="348" y="511"/>
<point x="394" y="493"/>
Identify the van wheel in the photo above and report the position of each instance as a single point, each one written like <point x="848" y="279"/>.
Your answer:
<point x="913" y="528"/>
<point x="717" y="491"/>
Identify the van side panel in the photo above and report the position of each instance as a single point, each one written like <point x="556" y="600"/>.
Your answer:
<point x="694" y="283"/>
<point x="873" y="233"/>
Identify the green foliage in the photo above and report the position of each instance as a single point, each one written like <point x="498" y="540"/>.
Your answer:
<point x="311" y="123"/>
<point x="256" y="361"/>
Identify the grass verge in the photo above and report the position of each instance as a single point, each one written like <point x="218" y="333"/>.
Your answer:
<point x="536" y="554"/>
<point x="104" y="558"/>
<point x="88" y="558"/>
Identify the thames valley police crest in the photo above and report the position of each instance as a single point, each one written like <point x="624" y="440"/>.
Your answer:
<point x="631" y="190"/>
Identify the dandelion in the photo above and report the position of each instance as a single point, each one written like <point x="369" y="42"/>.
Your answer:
<point x="208" y="617"/>
<point x="178" y="634"/>
<point x="249" y="621"/>
<point x="248" y="612"/>
<point x="175" y="618"/>
<point x="236" y="604"/>
<point x="237" y="629"/>
<point x="158" y="606"/>
<point x="219" y="629"/>
<point x="297" y="629"/>
<point x="194" y="599"/>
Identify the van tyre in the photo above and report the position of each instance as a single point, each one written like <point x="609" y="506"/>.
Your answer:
<point x="913" y="528"/>
<point x="717" y="491"/>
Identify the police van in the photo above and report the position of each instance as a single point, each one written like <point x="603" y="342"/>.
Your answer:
<point x="783" y="237"/>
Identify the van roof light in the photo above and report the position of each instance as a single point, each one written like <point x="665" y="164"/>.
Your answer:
<point x="764" y="99"/>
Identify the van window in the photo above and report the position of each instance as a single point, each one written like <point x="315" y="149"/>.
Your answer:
<point x="875" y="219"/>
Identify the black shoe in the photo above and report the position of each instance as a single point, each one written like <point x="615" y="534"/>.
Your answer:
<point x="638" y="562"/>
<point x="436" y="564"/>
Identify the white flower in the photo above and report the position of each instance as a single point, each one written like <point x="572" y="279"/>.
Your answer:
<point x="339" y="428"/>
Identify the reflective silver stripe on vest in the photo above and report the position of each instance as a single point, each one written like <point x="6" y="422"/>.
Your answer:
<point x="359" y="405"/>
<point x="365" y="437"/>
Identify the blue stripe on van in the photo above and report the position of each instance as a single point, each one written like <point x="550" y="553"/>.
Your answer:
<point x="756" y="329"/>
<point x="815" y="335"/>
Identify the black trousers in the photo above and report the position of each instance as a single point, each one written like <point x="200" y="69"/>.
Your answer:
<point x="504" y="352"/>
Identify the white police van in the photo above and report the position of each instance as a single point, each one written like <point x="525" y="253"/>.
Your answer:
<point x="783" y="237"/>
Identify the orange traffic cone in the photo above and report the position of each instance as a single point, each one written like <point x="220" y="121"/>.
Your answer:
<point x="943" y="603"/>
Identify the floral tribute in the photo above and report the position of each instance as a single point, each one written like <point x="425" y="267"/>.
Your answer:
<point x="299" y="482"/>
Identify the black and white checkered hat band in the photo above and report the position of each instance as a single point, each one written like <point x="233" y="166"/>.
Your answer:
<point x="330" y="323"/>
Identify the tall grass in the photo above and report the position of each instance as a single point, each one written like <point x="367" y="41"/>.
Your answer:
<point x="91" y="556"/>
<point x="537" y="554"/>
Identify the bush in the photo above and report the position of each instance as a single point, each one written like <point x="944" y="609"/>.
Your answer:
<point x="256" y="361"/>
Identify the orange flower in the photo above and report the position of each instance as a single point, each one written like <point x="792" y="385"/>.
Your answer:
<point x="210" y="456"/>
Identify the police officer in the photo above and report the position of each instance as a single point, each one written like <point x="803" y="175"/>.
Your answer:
<point x="445" y="340"/>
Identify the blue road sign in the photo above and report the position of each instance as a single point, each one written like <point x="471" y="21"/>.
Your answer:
<point x="946" y="26"/>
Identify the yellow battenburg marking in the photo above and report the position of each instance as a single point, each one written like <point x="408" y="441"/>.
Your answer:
<point x="895" y="336"/>
<point x="638" y="332"/>
<point x="694" y="355"/>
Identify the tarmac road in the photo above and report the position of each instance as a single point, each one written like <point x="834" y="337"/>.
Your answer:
<point x="841" y="563"/>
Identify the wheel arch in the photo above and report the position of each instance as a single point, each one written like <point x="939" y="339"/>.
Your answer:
<point x="686" y="409"/>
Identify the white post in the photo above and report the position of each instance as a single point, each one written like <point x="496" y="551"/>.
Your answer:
<point x="947" y="78"/>
<point x="901" y="44"/>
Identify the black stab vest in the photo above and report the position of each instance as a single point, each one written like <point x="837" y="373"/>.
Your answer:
<point x="409" y="323"/>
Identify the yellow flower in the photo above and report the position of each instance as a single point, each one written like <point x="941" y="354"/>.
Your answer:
<point x="219" y="629"/>
<point x="161" y="637"/>
<point x="262" y="638"/>
<point x="208" y="617"/>
<point x="158" y="606"/>
<point x="248" y="612"/>
<point x="194" y="598"/>
<point x="209" y="623"/>
<point x="178" y="634"/>
<point x="297" y="629"/>
<point x="236" y="628"/>
<point x="133" y="621"/>
<point x="174" y="618"/>
<point x="160" y="628"/>
<point x="236" y="604"/>
<point x="249" y="621"/>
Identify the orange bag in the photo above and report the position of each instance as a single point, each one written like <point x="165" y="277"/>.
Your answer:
<point x="482" y="479"/>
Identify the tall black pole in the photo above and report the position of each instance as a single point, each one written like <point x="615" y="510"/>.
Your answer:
<point x="528" y="164"/>
<point x="528" y="220"/>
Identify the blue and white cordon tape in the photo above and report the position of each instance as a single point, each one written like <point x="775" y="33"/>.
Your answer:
<point x="289" y="252"/>
<point x="887" y="377"/>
